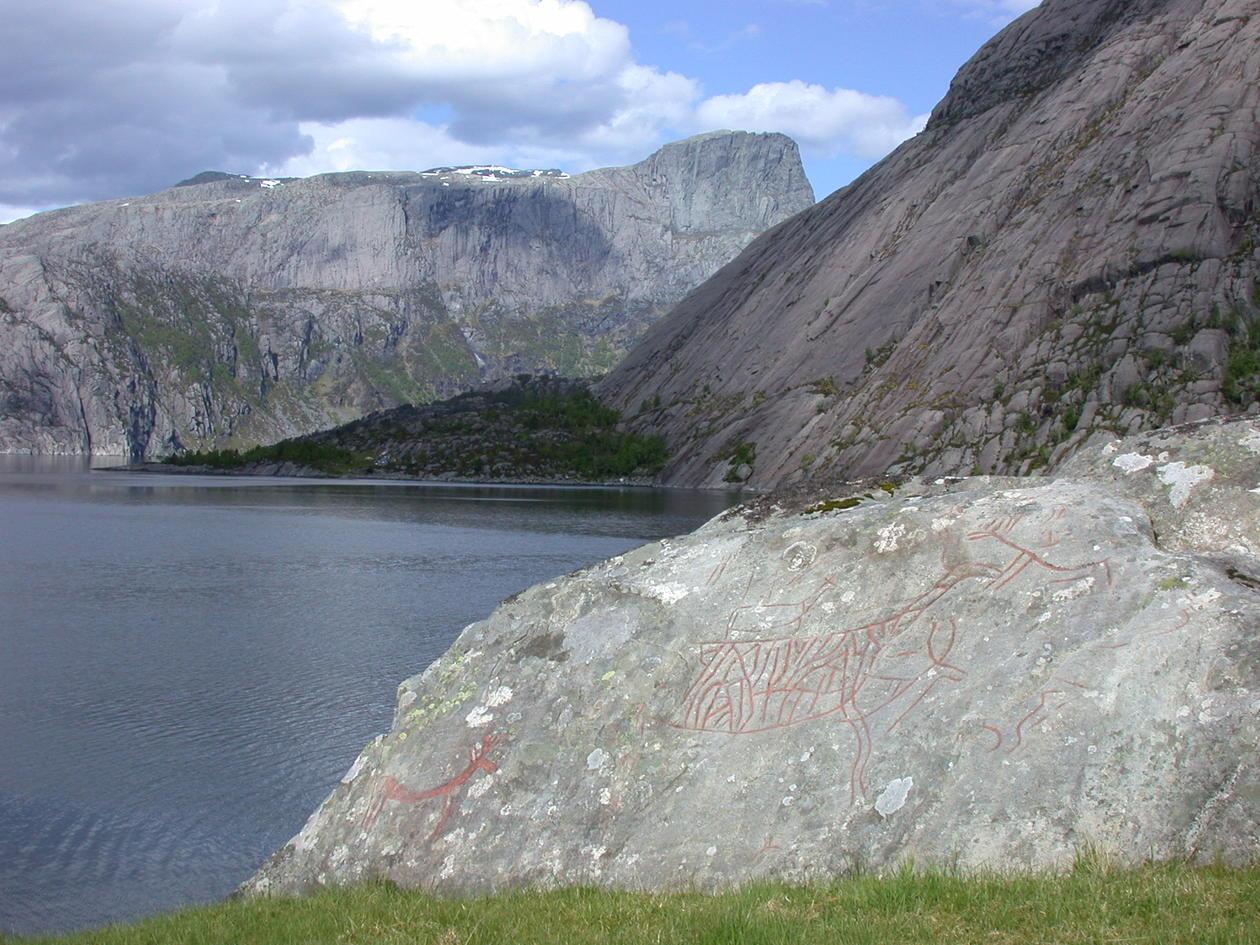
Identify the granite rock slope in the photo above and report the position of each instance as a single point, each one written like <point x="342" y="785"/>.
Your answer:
<point x="1072" y="245"/>
<point x="230" y="311"/>
<point x="980" y="673"/>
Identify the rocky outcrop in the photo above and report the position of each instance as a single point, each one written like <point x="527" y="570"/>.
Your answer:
<point x="230" y="310"/>
<point x="1071" y="246"/>
<point x="524" y="429"/>
<point x="977" y="673"/>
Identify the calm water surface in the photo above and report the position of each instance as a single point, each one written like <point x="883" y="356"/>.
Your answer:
<point x="188" y="665"/>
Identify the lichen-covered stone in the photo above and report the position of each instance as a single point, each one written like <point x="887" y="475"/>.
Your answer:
<point x="985" y="673"/>
<point x="1200" y="483"/>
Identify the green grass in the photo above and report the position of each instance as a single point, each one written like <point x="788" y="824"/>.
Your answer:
<point x="738" y="453"/>
<point x="1091" y="904"/>
<point x="1241" y="384"/>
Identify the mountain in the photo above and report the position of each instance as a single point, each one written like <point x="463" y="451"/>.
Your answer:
<point x="1071" y="246"/>
<point x="232" y="310"/>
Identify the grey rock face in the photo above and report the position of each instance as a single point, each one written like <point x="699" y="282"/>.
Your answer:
<point x="229" y="310"/>
<point x="993" y="673"/>
<point x="1071" y="246"/>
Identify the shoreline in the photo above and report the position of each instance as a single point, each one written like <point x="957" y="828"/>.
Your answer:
<point x="291" y="471"/>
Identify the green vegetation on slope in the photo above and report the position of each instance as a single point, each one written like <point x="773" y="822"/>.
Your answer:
<point x="1241" y="384"/>
<point x="1091" y="904"/>
<point x="553" y="435"/>
<point x="537" y="428"/>
<point x="320" y="456"/>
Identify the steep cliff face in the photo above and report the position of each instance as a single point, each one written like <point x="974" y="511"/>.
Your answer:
<point x="232" y="310"/>
<point x="1071" y="245"/>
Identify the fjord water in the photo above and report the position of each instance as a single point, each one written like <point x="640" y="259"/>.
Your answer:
<point x="188" y="664"/>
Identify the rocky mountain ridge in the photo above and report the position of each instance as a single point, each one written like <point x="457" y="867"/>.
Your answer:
<point x="232" y="310"/>
<point x="1071" y="246"/>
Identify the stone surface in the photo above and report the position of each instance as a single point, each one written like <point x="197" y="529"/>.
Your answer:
<point x="1072" y="245"/>
<point x="230" y="311"/>
<point x="978" y="673"/>
<point x="1199" y="483"/>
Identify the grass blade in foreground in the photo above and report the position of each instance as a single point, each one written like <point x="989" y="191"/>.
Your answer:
<point x="1092" y="904"/>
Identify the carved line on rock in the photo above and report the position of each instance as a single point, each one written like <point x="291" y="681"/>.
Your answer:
<point x="746" y="687"/>
<point x="450" y="791"/>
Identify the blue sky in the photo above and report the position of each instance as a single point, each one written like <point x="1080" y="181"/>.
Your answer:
<point x="127" y="97"/>
<point x="907" y="50"/>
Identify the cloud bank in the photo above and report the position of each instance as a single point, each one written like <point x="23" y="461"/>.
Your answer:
<point x="99" y="100"/>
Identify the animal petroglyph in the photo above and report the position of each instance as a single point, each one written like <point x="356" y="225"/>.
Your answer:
<point x="852" y="675"/>
<point x="450" y="791"/>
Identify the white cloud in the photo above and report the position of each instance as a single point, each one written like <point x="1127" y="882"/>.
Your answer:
<point x="825" y="121"/>
<point x="480" y="40"/>
<point x="9" y="213"/>
<point x="379" y="144"/>
<point x="124" y="98"/>
<point x="656" y="102"/>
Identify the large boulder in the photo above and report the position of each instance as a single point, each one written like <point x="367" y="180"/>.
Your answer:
<point x="987" y="673"/>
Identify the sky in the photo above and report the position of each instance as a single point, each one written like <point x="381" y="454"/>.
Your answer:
<point x="125" y="97"/>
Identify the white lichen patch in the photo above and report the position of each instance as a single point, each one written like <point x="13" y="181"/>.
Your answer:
<point x="596" y="853"/>
<point x="605" y="797"/>
<point x="500" y="696"/>
<point x="1077" y="589"/>
<point x="886" y="538"/>
<point x="1130" y="463"/>
<point x="1181" y="478"/>
<point x="478" y="788"/>
<point x="1251" y="441"/>
<point x="448" y="867"/>
<point x="800" y="556"/>
<point x="667" y="594"/>
<point x="479" y="717"/>
<point x="893" y="797"/>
